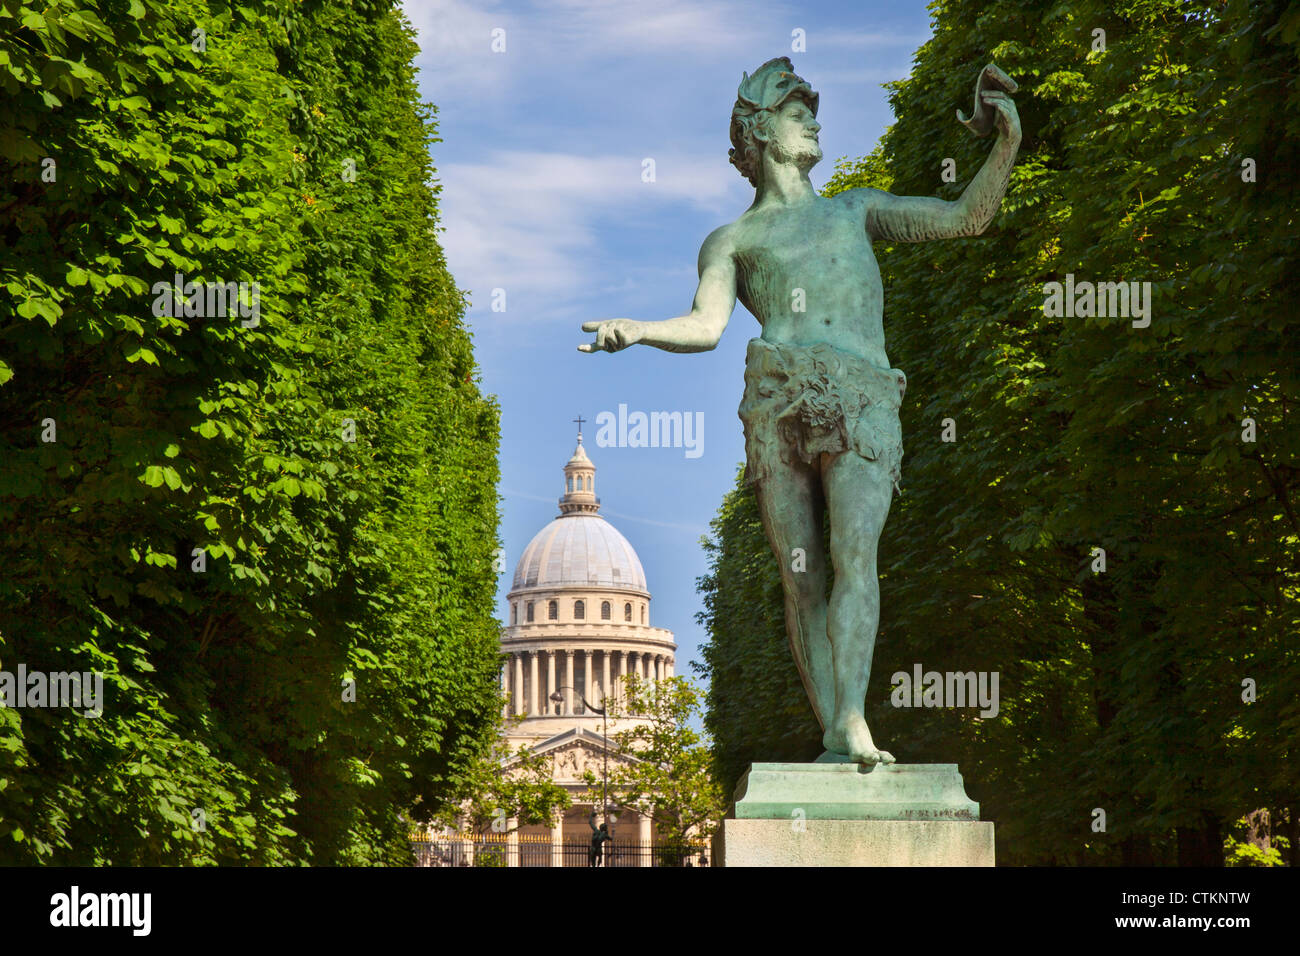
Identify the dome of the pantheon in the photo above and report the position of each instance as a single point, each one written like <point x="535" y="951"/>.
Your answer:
<point x="579" y="547"/>
<point x="583" y="550"/>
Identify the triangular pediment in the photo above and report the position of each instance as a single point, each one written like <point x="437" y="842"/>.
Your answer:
<point x="575" y="751"/>
<point x="574" y="736"/>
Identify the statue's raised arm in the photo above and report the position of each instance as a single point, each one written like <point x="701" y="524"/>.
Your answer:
<point x="920" y="218"/>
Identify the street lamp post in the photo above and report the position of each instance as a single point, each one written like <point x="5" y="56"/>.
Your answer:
<point x="604" y="733"/>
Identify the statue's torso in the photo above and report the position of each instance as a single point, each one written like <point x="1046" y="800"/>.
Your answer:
<point x="808" y="274"/>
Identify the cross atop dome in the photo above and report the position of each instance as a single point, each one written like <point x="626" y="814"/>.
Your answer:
<point x="579" y="481"/>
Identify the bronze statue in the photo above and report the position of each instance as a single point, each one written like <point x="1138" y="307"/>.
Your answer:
<point x="821" y="401"/>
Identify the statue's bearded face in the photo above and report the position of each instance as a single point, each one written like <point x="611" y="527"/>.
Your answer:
<point x="792" y="135"/>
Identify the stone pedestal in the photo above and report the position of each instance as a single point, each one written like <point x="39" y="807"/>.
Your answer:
<point x="835" y="813"/>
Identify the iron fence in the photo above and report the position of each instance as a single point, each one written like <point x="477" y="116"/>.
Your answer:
<point x="528" y="850"/>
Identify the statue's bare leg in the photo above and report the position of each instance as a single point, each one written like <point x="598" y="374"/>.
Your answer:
<point x="858" y="494"/>
<point x="791" y="503"/>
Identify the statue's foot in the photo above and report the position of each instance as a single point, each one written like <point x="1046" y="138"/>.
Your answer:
<point x="835" y="742"/>
<point x="861" y="748"/>
<point x="870" y="757"/>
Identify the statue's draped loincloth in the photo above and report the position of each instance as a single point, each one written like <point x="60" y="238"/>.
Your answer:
<point x="805" y="400"/>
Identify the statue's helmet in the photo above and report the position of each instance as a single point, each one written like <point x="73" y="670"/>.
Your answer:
<point x="759" y="96"/>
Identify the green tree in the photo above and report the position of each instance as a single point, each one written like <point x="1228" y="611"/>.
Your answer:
<point x="505" y="784"/>
<point x="757" y="709"/>
<point x="272" y="533"/>
<point x="667" y="773"/>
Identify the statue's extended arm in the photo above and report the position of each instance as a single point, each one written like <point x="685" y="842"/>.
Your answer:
<point x="918" y="218"/>
<point x="697" y="331"/>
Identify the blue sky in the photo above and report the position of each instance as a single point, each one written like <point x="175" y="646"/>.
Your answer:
<point x="542" y="197"/>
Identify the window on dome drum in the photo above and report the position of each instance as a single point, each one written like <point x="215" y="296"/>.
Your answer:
<point x="530" y="612"/>
<point x="642" y="613"/>
<point x="579" y="610"/>
<point x="553" y="611"/>
<point x="627" y="612"/>
<point x="604" y="610"/>
<point x="514" y="613"/>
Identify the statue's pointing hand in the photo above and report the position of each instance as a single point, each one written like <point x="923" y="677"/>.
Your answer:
<point x="612" y="335"/>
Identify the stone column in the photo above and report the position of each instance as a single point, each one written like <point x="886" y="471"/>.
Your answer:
<point x="568" y="682"/>
<point x="604" y="673"/>
<point x="647" y="854"/>
<point x="512" y="840"/>
<point x="659" y="668"/>
<point x="532" y="691"/>
<point x="622" y="672"/>
<point x="629" y="664"/>
<point x="519" y="685"/>
<point x="551" y="707"/>
<point x="505" y="687"/>
<point x="588" y="658"/>
<point x="557" y="840"/>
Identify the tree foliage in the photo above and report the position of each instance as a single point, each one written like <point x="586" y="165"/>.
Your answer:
<point x="668" y="775"/>
<point x="757" y="708"/>
<point x="505" y="784"/>
<point x="1121" y="690"/>
<point x="329" y="464"/>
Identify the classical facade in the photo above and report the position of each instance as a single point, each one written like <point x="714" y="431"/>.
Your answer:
<point x="579" y="619"/>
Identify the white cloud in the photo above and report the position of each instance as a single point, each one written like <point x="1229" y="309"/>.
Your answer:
<point x="455" y="39"/>
<point x="869" y="38"/>
<point x="860" y="76"/>
<point x="606" y="26"/>
<point x="525" y="221"/>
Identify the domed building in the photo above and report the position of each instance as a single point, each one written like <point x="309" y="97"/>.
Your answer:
<point x="579" y="619"/>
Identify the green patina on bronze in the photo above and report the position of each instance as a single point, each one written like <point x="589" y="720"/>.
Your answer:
<point x="829" y="790"/>
<point x="821" y="401"/>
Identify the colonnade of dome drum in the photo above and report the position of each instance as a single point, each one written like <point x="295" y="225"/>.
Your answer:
<point x="529" y="677"/>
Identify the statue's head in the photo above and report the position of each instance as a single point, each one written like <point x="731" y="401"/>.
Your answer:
<point x="775" y="110"/>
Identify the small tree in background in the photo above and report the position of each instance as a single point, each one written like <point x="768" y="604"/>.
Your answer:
<point x="670" y="774"/>
<point x="492" y="794"/>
